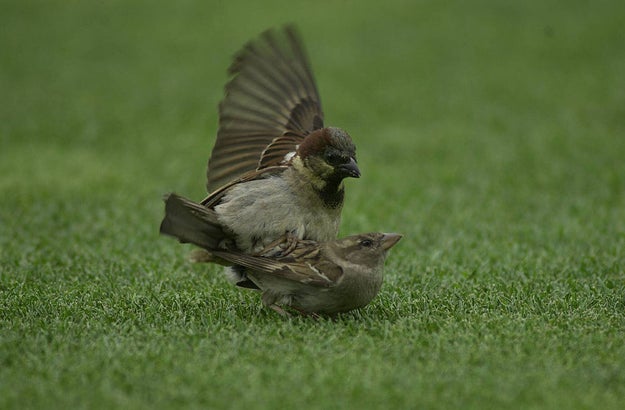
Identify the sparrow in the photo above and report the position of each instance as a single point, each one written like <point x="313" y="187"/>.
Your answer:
<point x="275" y="169"/>
<point x="319" y="277"/>
<point x="312" y="277"/>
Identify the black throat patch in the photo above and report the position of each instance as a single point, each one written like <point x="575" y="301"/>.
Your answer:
<point x="332" y="194"/>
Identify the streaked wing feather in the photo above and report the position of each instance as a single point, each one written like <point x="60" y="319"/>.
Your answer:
<point x="303" y="272"/>
<point x="275" y="152"/>
<point x="272" y="94"/>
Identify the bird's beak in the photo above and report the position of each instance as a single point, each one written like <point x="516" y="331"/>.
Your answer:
<point x="350" y="169"/>
<point x="389" y="240"/>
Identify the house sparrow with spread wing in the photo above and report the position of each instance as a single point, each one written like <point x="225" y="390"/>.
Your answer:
<point x="326" y="277"/>
<point x="275" y="168"/>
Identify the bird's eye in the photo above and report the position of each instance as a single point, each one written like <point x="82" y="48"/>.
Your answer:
<point x="367" y="243"/>
<point x="334" y="158"/>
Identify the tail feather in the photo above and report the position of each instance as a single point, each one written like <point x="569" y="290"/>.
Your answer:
<point x="192" y="223"/>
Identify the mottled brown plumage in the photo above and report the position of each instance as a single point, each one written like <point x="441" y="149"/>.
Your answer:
<point x="319" y="277"/>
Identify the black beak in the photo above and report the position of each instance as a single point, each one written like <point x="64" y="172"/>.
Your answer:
<point x="350" y="169"/>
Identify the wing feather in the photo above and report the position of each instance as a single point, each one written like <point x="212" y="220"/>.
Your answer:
<point x="306" y="263"/>
<point x="271" y="103"/>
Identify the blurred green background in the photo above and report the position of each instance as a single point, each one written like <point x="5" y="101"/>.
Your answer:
<point x="491" y="134"/>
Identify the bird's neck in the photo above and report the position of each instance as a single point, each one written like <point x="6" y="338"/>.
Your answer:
<point x="330" y="191"/>
<point x="332" y="194"/>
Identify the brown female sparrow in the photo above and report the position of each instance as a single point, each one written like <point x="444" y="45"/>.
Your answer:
<point x="319" y="277"/>
<point x="275" y="169"/>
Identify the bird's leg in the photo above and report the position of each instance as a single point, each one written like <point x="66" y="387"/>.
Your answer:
<point x="281" y="246"/>
<point x="270" y="250"/>
<point x="290" y="240"/>
<point x="286" y="314"/>
<point x="313" y="315"/>
<point x="280" y="311"/>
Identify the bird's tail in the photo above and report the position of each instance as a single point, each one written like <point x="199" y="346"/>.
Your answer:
<point x="192" y="223"/>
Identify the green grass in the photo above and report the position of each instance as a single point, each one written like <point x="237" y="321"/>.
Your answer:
<point x="491" y="134"/>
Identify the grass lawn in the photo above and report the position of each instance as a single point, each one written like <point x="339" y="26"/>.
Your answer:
<point x="491" y="134"/>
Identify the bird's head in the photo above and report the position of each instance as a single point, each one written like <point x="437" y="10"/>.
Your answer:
<point x="367" y="249"/>
<point x="330" y="156"/>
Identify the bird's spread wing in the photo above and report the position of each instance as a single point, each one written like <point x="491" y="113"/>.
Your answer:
<point x="305" y="264"/>
<point x="270" y="104"/>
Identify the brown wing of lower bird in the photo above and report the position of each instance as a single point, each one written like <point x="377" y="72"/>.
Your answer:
<point x="270" y="104"/>
<point x="306" y="264"/>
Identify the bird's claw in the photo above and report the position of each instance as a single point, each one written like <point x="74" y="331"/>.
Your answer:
<point x="280" y="247"/>
<point x="290" y="241"/>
